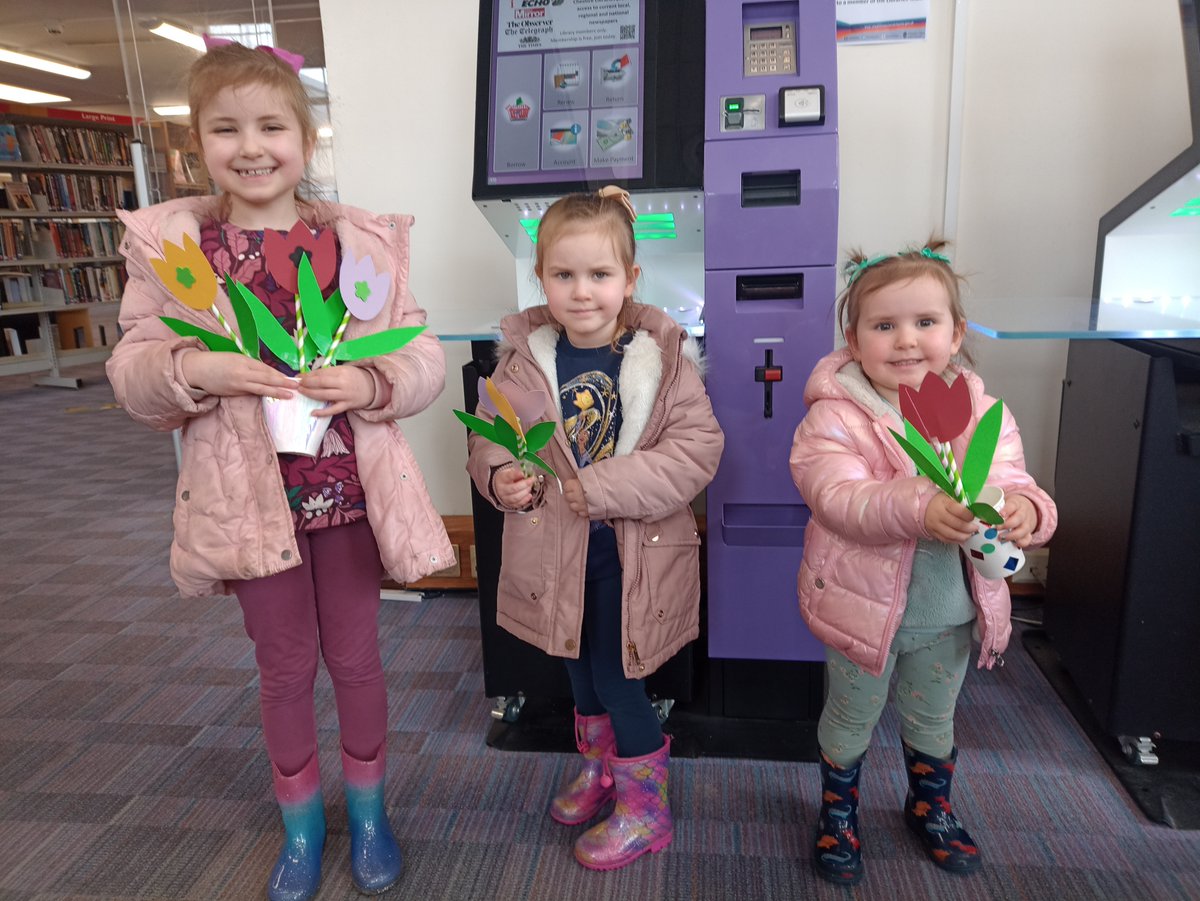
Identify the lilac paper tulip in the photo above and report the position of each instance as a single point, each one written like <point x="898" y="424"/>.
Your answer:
<point x="364" y="291"/>
<point x="529" y="406"/>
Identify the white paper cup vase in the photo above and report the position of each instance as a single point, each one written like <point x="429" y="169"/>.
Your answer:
<point x="991" y="555"/>
<point x="292" y="426"/>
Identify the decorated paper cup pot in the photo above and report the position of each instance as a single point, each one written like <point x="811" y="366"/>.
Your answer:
<point x="292" y="426"/>
<point x="991" y="555"/>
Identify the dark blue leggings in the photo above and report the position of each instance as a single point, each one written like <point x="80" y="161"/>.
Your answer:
<point x="598" y="680"/>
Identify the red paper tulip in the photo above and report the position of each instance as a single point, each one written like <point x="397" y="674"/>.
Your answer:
<point x="940" y="412"/>
<point x="283" y="254"/>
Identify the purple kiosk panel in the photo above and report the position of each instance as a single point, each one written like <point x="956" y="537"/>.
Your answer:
<point x="770" y="249"/>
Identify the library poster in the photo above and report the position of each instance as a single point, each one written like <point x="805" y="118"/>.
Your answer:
<point x="567" y="91"/>
<point x="879" y="21"/>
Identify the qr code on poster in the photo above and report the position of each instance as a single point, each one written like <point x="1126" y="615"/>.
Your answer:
<point x="628" y="32"/>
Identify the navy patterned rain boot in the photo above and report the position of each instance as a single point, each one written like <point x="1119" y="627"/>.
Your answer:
<point x="837" y="855"/>
<point x="927" y="812"/>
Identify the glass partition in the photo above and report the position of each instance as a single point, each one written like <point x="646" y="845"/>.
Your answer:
<point x="159" y="42"/>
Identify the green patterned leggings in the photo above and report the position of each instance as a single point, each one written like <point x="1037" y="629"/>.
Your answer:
<point x="929" y="667"/>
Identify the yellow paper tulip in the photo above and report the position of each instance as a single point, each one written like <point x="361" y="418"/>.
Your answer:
<point x="186" y="273"/>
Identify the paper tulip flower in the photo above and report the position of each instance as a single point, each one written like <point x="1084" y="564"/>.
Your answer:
<point x="320" y="323"/>
<point x="186" y="273"/>
<point x="507" y="429"/>
<point x="283" y="254"/>
<point x="364" y="291"/>
<point x="933" y="417"/>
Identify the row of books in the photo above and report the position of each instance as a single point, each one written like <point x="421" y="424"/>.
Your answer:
<point x="58" y="240"/>
<point x="83" y="284"/>
<point x="80" y="146"/>
<point x="98" y="238"/>
<point x="14" y="245"/>
<point x="64" y="192"/>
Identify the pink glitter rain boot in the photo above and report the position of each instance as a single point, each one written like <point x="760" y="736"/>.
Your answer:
<point x="593" y="787"/>
<point x="641" y="820"/>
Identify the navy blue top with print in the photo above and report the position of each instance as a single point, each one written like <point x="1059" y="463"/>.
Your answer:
<point x="591" y="412"/>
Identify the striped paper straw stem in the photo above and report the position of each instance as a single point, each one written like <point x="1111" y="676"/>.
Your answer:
<point x="337" y="339"/>
<point x="237" y="339"/>
<point x="300" y="333"/>
<point x="522" y="449"/>
<point x="951" y="467"/>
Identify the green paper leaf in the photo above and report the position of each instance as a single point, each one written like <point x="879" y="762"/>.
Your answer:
<point x="335" y="309"/>
<point x="247" y="330"/>
<point x="211" y="341"/>
<point x="987" y="513"/>
<point x="311" y="352"/>
<point x="538" y="461"/>
<point x="934" y="473"/>
<point x="270" y="332"/>
<point x="539" y="436"/>
<point x="978" y="461"/>
<point x="313" y="305"/>
<point x="918" y="440"/>
<point x="480" y="426"/>
<point x="505" y="436"/>
<point x="378" y="344"/>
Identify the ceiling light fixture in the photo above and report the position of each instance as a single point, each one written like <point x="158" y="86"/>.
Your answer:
<point x="179" y="35"/>
<point x="45" y="65"/>
<point x="15" y="94"/>
<point x="173" y="110"/>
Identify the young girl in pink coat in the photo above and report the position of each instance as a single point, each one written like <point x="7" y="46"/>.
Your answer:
<point x="303" y="542"/>
<point x="606" y="572"/>
<point x="883" y="582"/>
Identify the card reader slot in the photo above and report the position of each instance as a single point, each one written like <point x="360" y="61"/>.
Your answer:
<point x="771" y="188"/>
<point x="778" y="286"/>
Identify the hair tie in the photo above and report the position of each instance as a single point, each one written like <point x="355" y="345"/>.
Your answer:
<point x="294" y="60"/>
<point x="614" y="192"/>
<point x="854" y="270"/>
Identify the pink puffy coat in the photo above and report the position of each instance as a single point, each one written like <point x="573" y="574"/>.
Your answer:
<point x="666" y="453"/>
<point x="232" y="519"/>
<point x="868" y="511"/>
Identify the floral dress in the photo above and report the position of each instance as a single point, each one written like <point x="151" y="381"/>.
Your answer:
<point x="322" y="491"/>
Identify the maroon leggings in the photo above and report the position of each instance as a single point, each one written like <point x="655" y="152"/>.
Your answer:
<point x="328" y="607"/>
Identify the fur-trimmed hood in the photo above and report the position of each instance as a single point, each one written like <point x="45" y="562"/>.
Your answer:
<point x="643" y="366"/>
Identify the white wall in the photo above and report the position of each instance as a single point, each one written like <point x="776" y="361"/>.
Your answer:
<point x="1069" y="106"/>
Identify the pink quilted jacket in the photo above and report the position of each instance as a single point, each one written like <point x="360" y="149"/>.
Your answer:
<point x="868" y="511"/>
<point x="231" y="514"/>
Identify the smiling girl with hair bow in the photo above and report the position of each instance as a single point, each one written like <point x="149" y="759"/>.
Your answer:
<point x="302" y="541"/>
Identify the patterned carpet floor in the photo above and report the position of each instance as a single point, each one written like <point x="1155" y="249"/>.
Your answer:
<point x="132" y="765"/>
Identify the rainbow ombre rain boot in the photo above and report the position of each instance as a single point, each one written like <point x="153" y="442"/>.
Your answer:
<point x="375" y="860"/>
<point x="837" y="855"/>
<point x="297" y="872"/>
<point x="927" y="812"/>
<point x="641" y="820"/>
<point x="593" y="787"/>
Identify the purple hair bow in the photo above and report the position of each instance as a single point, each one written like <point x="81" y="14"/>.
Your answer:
<point x="295" y="60"/>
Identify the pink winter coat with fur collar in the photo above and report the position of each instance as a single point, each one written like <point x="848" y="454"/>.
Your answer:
<point x="231" y="518"/>
<point x="666" y="453"/>
<point x="868" y="511"/>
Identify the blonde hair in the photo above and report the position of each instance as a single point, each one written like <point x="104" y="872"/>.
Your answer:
<point x="868" y="275"/>
<point x="235" y="65"/>
<point x="609" y="214"/>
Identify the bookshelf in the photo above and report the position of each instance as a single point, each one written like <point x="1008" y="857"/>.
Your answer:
<point x="63" y="175"/>
<point x="176" y="165"/>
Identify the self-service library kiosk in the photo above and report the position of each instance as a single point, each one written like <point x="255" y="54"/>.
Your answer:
<point x="720" y="118"/>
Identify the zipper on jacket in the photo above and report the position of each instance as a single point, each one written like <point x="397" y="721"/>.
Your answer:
<point x="634" y="659"/>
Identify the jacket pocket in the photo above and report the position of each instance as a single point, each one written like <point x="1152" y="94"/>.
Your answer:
<point x="522" y="588"/>
<point x="671" y="570"/>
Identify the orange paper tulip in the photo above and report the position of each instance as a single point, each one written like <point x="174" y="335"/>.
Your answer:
<point x="186" y="273"/>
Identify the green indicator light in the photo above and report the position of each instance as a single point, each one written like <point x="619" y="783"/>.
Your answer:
<point x="1191" y="208"/>
<point x="648" y="227"/>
